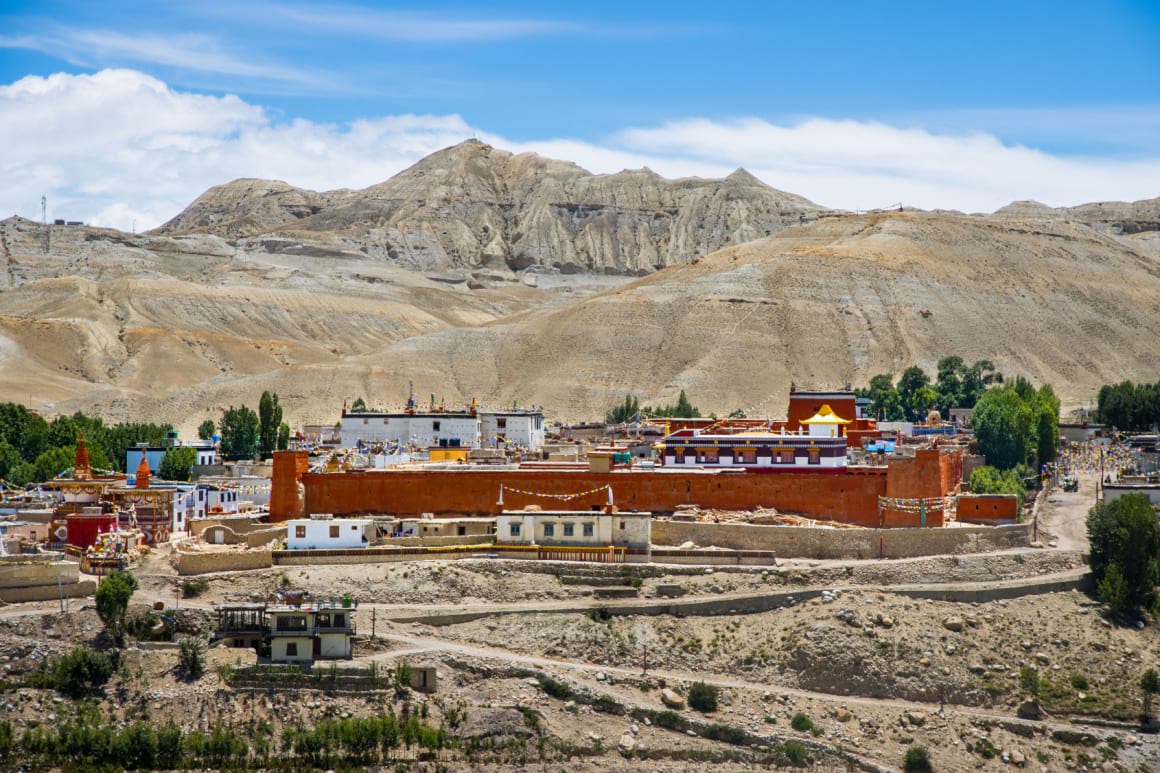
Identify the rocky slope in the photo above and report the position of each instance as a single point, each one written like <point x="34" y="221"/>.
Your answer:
<point x="472" y="205"/>
<point x="295" y="291"/>
<point x="1113" y="217"/>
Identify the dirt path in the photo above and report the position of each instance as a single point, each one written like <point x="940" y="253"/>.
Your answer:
<point x="1064" y="514"/>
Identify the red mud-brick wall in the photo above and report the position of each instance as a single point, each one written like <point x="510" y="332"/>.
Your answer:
<point x="847" y="497"/>
<point x="930" y="473"/>
<point x="286" y="500"/>
<point x="988" y="508"/>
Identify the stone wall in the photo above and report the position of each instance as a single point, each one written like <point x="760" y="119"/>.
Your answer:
<point x="49" y="592"/>
<point x="221" y="561"/>
<point x="804" y="542"/>
<point x="26" y="571"/>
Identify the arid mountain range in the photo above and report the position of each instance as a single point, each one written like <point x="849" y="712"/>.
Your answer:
<point x="479" y="273"/>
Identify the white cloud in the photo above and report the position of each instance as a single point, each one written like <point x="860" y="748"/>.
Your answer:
<point x="119" y="147"/>
<point x="183" y="51"/>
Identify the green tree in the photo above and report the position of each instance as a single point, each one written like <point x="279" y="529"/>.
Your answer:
<point x="9" y="458"/>
<point x="625" y="411"/>
<point x="239" y="431"/>
<point x="1003" y="424"/>
<point x="191" y="658"/>
<point x="1046" y="424"/>
<point x="177" y="464"/>
<point x="1124" y="539"/>
<point x="684" y="409"/>
<point x="112" y="601"/>
<point x="206" y="429"/>
<point x="1149" y="685"/>
<point x="269" y="420"/>
<point x="283" y="436"/>
<point x="358" y="406"/>
<point x="55" y="461"/>
<point x="910" y="383"/>
<point x="885" y="402"/>
<point x="991" y="480"/>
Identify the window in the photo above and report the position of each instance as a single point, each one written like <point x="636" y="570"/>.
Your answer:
<point x="569" y="530"/>
<point x="815" y="455"/>
<point x="549" y="530"/>
<point x="354" y="527"/>
<point x="365" y="421"/>
<point x="784" y="457"/>
<point x="622" y="525"/>
<point x="435" y="426"/>
<point x="708" y="455"/>
<point x="501" y="423"/>
<point x="745" y="456"/>
<point x="334" y="531"/>
<point x="339" y="620"/>
<point x="300" y="531"/>
<point x="322" y="620"/>
<point x="292" y="649"/>
<point x="588" y="530"/>
<point x="291" y="623"/>
<point x="514" y="529"/>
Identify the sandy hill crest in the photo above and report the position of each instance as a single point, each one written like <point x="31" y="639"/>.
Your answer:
<point x="473" y="205"/>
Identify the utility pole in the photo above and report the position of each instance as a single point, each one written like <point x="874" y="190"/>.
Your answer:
<point x="44" y="210"/>
<point x="59" y="587"/>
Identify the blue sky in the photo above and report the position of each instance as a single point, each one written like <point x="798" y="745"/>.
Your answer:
<point x="826" y="97"/>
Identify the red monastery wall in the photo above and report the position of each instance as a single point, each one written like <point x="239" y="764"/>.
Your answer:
<point x="851" y="497"/>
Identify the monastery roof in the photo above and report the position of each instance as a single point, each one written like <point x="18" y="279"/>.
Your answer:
<point x="826" y="415"/>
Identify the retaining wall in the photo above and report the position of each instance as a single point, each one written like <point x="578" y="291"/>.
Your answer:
<point x="48" y="592"/>
<point x="804" y="542"/>
<point x="204" y="563"/>
<point x="24" y="572"/>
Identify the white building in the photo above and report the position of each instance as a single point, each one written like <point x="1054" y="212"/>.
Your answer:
<point x="513" y="428"/>
<point x="290" y="633"/>
<point x="820" y="446"/>
<point x="206" y="451"/>
<point x="420" y="430"/>
<point x="325" y="532"/>
<point x="574" y="528"/>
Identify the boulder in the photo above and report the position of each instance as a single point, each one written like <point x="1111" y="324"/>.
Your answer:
<point x="671" y="699"/>
<point x="954" y="623"/>
<point x="1029" y="708"/>
<point x="916" y="718"/>
<point x="627" y="744"/>
<point x="843" y="715"/>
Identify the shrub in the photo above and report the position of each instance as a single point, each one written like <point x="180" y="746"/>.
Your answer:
<point x="703" y="697"/>
<point x="1029" y="680"/>
<point x="727" y="733"/>
<point x="112" y="602"/>
<point x="1079" y="682"/>
<point x="795" y="752"/>
<point x="801" y="722"/>
<point x="606" y="704"/>
<point x="556" y="688"/>
<point x="670" y="720"/>
<point x="917" y="760"/>
<point x="193" y="588"/>
<point x="83" y="670"/>
<point x="402" y="676"/>
<point x="191" y="658"/>
<point x="598" y="615"/>
<point x="1149" y="685"/>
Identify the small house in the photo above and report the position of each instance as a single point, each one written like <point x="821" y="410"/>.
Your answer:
<point x="325" y="532"/>
<point x="290" y="632"/>
<point x="580" y="528"/>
